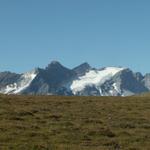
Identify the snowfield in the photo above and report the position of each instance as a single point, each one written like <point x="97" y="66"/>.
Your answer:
<point x="94" y="77"/>
<point x="24" y="81"/>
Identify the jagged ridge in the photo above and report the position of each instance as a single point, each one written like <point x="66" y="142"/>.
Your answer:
<point x="84" y="80"/>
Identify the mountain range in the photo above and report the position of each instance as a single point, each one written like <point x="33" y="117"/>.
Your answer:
<point x="82" y="80"/>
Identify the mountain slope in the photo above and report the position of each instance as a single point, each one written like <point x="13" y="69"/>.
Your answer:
<point x="124" y="83"/>
<point x="8" y="78"/>
<point x="93" y="78"/>
<point x="51" y="80"/>
<point x="82" y="69"/>
<point x="21" y="83"/>
<point x="84" y="80"/>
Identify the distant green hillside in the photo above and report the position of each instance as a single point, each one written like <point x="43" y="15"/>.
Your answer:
<point x="74" y="123"/>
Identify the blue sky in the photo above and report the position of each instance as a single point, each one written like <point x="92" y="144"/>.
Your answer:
<point x="100" y="32"/>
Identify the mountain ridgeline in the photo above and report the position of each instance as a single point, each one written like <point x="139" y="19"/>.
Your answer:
<point x="83" y="80"/>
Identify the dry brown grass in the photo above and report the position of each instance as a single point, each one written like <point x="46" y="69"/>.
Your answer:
<point x="74" y="123"/>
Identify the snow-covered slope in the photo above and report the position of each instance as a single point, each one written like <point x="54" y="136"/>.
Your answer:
<point x="83" y="80"/>
<point x="21" y="84"/>
<point x="94" y="78"/>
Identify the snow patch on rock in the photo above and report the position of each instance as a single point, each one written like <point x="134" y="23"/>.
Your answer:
<point x="24" y="81"/>
<point x="94" y="77"/>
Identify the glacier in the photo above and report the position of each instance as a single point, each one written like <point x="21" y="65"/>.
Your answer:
<point x="94" y="77"/>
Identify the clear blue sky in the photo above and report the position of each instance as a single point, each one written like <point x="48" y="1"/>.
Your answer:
<point x="101" y="32"/>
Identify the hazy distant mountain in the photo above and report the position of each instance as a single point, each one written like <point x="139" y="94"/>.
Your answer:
<point x="84" y="80"/>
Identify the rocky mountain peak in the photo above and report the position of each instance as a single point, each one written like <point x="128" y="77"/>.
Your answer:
<point x="54" y="64"/>
<point x="84" y="80"/>
<point x="82" y="69"/>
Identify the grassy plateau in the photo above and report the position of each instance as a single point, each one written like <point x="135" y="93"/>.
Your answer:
<point x="74" y="123"/>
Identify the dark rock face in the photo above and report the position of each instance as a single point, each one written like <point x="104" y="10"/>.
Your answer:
<point x="82" y="69"/>
<point x="8" y="78"/>
<point x="126" y="82"/>
<point x="139" y="76"/>
<point x="56" y="74"/>
<point x="129" y="82"/>
<point x="51" y="80"/>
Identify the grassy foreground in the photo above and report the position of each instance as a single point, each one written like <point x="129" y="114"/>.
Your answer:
<point x="74" y="123"/>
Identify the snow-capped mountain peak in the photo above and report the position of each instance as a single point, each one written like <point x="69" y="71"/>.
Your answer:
<point x="23" y="82"/>
<point x="94" y="77"/>
<point x="83" y="80"/>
